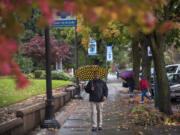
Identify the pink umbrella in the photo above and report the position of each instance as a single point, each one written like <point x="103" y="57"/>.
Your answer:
<point x="126" y="74"/>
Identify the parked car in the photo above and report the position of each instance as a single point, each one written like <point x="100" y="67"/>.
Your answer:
<point x="174" y="84"/>
<point x="173" y="69"/>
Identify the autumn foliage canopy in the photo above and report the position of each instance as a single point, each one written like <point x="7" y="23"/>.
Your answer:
<point x="138" y="14"/>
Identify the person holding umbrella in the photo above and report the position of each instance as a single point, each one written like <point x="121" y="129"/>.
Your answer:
<point x="98" y="92"/>
<point x="128" y="76"/>
<point x="130" y="83"/>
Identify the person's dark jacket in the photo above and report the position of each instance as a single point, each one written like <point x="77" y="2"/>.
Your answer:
<point x="100" y="90"/>
<point x="130" y="82"/>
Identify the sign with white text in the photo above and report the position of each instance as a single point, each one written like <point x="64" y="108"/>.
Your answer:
<point x="109" y="54"/>
<point x="92" y="50"/>
<point x="63" y="19"/>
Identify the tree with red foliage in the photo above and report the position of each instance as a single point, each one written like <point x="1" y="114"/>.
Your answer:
<point x="35" y="49"/>
<point x="139" y="15"/>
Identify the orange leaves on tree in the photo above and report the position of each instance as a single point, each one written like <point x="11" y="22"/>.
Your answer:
<point x="79" y="29"/>
<point x="146" y="21"/>
<point x="124" y="13"/>
<point x="107" y="33"/>
<point x="168" y="25"/>
<point x="136" y="13"/>
<point x="111" y="31"/>
<point x="85" y="41"/>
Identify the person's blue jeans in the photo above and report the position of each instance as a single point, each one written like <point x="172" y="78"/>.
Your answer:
<point x="144" y="94"/>
<point x="131" y="88"/>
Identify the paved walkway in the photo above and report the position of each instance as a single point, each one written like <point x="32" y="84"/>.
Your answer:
<point x="75" y="118"/>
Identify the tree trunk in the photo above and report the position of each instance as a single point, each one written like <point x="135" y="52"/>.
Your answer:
<point x="136" y="62"/>
<point x="162" y="81"/>
<point x="146" y="60"/>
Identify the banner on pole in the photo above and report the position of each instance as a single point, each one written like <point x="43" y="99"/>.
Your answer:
<point x="109" y="54"/>
<point x="92" y="50"/>
<point x="149" y="51"/>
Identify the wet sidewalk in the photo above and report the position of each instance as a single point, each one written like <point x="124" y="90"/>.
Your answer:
<point x="75" y="118"/>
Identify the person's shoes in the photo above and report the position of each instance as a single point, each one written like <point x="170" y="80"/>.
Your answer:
<point x="94" y="129"/>
<point x="100" y="128"/>
<point x="142" y="102"/>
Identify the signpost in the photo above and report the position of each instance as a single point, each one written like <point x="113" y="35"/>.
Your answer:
<point x="61" y="20"/>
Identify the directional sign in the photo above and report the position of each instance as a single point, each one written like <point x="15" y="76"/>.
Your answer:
<point x="63" y="19"/>
<point x="65" y="23"/>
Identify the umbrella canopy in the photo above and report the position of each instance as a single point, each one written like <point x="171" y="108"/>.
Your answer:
<point x="87" y="72"/>
<point x="126" y="74"/>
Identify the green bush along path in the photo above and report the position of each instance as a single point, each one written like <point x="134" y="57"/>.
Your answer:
<point x="9" y="94"/>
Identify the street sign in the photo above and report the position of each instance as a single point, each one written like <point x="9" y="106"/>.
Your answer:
<point x="109" y="55"/>
<point x="63" y="19"/>
<point x="65" y="23"/>
<point x="92" y="50"/>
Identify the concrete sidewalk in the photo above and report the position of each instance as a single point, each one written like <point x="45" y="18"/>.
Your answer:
<point x="75" y="118"/>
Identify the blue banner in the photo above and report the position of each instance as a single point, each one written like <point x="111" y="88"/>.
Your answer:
<point x="92" y="50"/>
<point x="109" y="53"/>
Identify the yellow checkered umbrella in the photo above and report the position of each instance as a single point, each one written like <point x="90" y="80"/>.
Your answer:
<point x="87" y="72"/>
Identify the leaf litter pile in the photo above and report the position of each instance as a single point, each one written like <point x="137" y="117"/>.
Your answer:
<point x="147" y="115"/>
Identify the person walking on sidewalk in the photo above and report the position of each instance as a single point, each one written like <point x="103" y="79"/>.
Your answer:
<point x="98" y="93"/>
<point x="130" y="83"/>
<point x="144" y="86"/>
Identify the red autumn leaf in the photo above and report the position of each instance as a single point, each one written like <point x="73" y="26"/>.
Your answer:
<point x="36" y="50"/>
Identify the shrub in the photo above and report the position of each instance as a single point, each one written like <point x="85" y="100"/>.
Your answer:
<point x="146" y="115"/>
<point x="30" y="76"/>
<point x="38" y="73"/>
<point x="43" y="75"/>
<point x="56" y="75"/>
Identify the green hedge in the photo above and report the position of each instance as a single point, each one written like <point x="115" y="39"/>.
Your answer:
<point x="30" y="76"/>
<point x="38" y="73"/>
<point x="55" y="75"/>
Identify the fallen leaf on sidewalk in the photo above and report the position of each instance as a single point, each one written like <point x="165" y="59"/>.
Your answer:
<point x="140" y="133"/>
<point x="118" y="126"/>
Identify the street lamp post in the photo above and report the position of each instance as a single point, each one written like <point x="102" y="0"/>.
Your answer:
<point x="78" y="94"/>
<point x="49" y="121"/>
